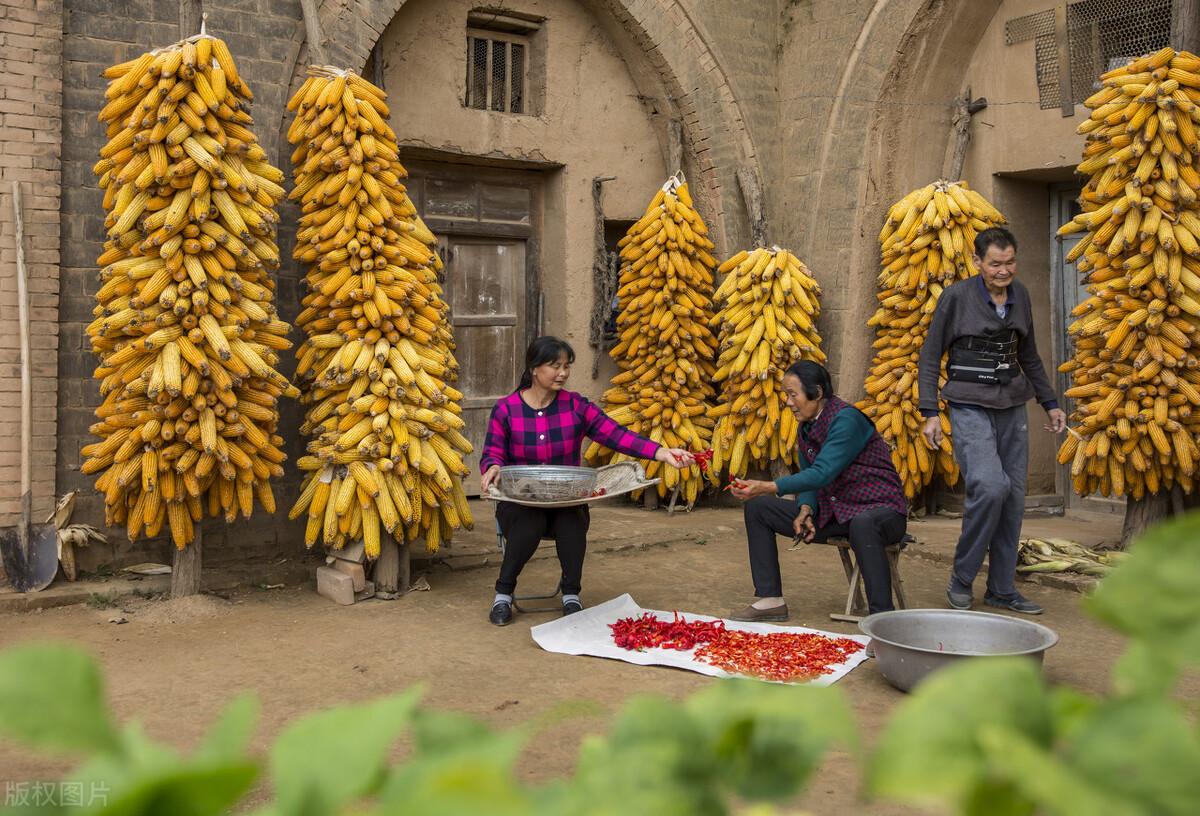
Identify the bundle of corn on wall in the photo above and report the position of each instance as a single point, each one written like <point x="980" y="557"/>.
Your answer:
<point x="1135" y="378"/>
<point x="768" y="305"/>
<point x="185" y="329"/>
<point x="665" y="350"/>
<point x="927" y="244"/>
<point x="377" y="367"/>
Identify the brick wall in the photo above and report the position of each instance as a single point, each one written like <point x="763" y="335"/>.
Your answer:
<point x="30" y="138"/>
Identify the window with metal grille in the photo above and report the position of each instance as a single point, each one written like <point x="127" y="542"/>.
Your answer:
<point x="498" y="50"/>
<point x="1093" y="36"/>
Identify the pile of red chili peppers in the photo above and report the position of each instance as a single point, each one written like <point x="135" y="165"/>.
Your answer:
<point x="776" y="656"/>
<point x="648" y="632"/>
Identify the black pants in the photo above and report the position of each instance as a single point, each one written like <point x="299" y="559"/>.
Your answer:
<point x="869" y="532"/>
<point x="524" y="527"/>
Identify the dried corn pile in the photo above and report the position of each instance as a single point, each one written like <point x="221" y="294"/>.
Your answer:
<point x="927" y="244"/>
<point x="768" y="305"/>
<point x="185" y="326"/>
<point x="1135" y="378"/>
<point x="387" y="449"/>
<point x="666" y="349"/>
<point x="1063" y="555"/>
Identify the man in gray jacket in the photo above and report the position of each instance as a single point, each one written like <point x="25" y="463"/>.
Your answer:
<point x="986" y="325"/>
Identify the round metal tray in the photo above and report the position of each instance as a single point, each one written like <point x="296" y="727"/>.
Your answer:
<point x="547" y="482"/>
<point x="616" y="480"/>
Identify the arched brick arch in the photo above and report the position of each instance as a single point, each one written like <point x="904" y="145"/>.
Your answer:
<point x="689" y="81"/>
<point x="886" y="132"/>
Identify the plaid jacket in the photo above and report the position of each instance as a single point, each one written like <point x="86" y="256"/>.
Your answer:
<point x="520" y="435"/>
<point x="869" y="481"/>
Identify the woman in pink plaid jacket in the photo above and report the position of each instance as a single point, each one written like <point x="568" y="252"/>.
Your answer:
<point x="541" y="423"/>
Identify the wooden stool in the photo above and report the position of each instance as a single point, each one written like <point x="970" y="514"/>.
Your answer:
<point x="501" y="542"/>
<point x="856" y="602"/>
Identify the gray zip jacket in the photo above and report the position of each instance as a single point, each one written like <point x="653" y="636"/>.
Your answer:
<point x="966" y="309"/>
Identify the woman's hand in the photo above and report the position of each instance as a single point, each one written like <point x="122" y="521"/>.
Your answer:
<point x="746" y="489"/>
<point x="803" y="526"/>
<point x="489" y="476"/>
<point x="676" y="457"/>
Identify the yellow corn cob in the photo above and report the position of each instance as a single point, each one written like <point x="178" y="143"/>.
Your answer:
<point x="386" y="383"/>
<point x="666" y="351"/>
<point x="1135" y="396"/>
<point x="914" y="273"/>
<point x="179" y="289"/>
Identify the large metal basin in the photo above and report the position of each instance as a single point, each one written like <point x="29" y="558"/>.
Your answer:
<point x="547" y="482"/>
<point x="911" y="643"/>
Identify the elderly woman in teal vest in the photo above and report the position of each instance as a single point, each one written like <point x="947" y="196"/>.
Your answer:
<point x="847" y="487"/>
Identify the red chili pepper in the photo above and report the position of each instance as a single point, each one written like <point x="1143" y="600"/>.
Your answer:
<point x="703" y="459"/>
<point x="778" y="655"/>
<point x="774" y="656"/>
<point x="647" y="631"/>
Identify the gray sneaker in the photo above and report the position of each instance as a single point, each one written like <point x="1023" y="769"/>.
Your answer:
<point x="1017" y="603"/>
<point x="959" y="600"/>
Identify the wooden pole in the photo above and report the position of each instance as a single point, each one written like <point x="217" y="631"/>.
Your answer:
<point x="752" y="195"/>
<point x="189" y="17"/>
<point x="185" y="573"/>
<point x="964" y="108"/>
<point x="387" y="569"/>
<point x="1185" y="25"/>
<point x="312" y="32"/>
<point x="674" y="146"/>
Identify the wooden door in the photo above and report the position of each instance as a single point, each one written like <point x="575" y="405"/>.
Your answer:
<point x="484" y="287"/>
<point x="484" y="220"/>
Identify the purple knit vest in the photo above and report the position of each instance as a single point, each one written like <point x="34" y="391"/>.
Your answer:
<point x="869" y="481"/>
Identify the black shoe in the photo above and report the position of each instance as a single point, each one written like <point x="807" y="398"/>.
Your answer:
<point x="501" y="613"/>
<point x="1017" y="603"/>
<point x="959" y="600"/>
<point x="571" y="607"/>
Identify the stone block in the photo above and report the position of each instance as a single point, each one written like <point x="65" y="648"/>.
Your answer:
<point x="355" y="553"/>
<point x="356" y="571"/>
<point x="335" y="585"/>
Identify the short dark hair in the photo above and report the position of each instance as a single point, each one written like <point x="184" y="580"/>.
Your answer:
<point x="545" y="349"/>
<point x="997" y="237"/>
<point x="814" y="378"/>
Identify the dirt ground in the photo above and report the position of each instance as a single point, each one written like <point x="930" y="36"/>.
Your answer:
<point x="173" y="665"/>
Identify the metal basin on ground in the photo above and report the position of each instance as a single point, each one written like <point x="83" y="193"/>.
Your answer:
<point x="547" y="482"/>
<point x="911" y="643"/>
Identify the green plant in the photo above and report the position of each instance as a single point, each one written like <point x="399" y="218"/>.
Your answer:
<point x="987" y="738"/>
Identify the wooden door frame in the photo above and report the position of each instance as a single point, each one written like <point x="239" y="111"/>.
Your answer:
<point x="430" y="163"/>
<point x="1061" y="349"/>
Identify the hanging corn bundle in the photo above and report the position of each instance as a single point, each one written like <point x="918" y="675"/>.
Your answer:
<point x="665" y="350"/>
<point x="386" y="454"/>
<point x="185" y="328"/>
<point x="769" y="302"/>
<point x="927" y="244"/>
<point x="1135" y="378"/>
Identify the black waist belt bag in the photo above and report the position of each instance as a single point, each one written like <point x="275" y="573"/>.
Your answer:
<point x="985" y="358"/>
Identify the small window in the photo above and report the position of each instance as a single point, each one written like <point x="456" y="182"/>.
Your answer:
<point x="498" y="51"/>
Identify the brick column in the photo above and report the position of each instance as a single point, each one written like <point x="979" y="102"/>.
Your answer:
<point x="30" y="143"/>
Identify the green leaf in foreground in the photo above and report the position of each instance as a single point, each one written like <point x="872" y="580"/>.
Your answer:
<point x="52" y="696"/>
<point x="931" y="749"/>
